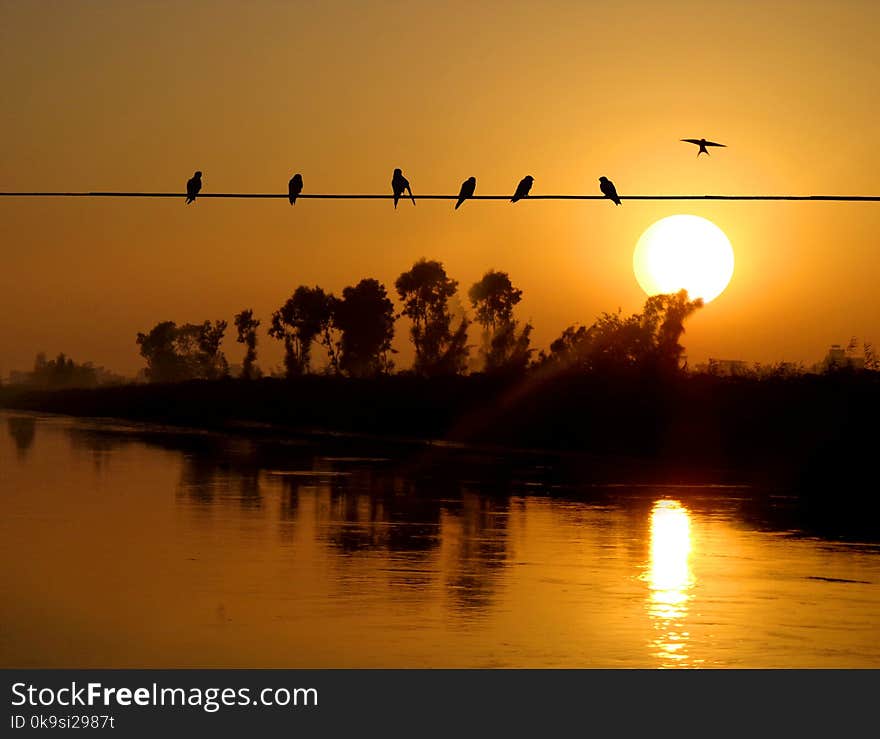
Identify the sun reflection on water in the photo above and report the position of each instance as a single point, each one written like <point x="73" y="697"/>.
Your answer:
<point x="669" y="581"/>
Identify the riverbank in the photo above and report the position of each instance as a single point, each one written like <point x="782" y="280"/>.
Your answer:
<point x="812" y="433"/>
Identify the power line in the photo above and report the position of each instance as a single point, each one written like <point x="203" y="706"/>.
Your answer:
<point x="339" y="196"/>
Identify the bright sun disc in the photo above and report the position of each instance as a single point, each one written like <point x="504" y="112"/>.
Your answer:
<point x="684" y="252"/>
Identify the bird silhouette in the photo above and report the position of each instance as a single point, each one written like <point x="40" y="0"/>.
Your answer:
<point x="193" y="187"/>
<point x="702" y="143"/>
<point x="294" y="188"/>
<point x="467" y="191"/>
<point x="522" y="189"/>
<point x="609" y="190"/>
<point x="399" y="185"/>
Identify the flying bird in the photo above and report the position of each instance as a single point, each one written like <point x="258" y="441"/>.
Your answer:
<point x="702" y="143"/>
<point x="294" y="188"/>
<point x="522" y="189"/>
<point x="467" y="191"/>
<point x="609" y="190"/>
<point x="193" y="186"/>
<point x="399" y="185"/>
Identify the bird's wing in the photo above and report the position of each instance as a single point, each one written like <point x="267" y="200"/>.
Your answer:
<point x="712" y="143"/>
<point x="693" y="141"/>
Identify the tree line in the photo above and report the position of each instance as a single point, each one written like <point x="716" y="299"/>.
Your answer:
<point x="64" y="372"/>
<point x="355" y="331"/>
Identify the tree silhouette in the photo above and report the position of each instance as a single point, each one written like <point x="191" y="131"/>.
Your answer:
<point x="663" y="318"/>
<point x="211" y="363"/>
<point x="164" y="363"/>
<point x="62" y="372"/>
<point x="647" y="340"/>
<point x="425" y="291"/>
<point x="307" y="316"/>
<point x="365" y="317"/>
<point x="872" y="360"/>
<point x="190" y="351"/>
<point x="247" y="326"/>
<point x="494" y="298"/>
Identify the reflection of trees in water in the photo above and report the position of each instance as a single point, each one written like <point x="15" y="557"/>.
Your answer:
<point x="100" y="444"/>
<point x="22" y="429"/>
<point x="213" y="467"/>
<point x="288" y="513"/>
<point x="423" y="528"/>
<point x="221" y="468"/>
<point x="480" y="552"/>
<point x="410" y="521"/>
<point x="381" y="513"/>
<point x="836" y="518"/>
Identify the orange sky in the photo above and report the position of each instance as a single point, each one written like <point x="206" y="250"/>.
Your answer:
<point x="137" y="95"/>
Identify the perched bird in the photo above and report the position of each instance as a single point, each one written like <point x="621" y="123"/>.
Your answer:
<point x="294" y="188"/>
<point x="522" y="189"/>
<point x="608" y="189"/>
<point x="399" y="185"/>
<point x="193" y="186"/>
<point x="467" y="191"/>
<point x="702" y="143"/>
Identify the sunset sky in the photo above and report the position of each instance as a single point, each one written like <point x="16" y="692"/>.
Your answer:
<point x="137" y="95"/>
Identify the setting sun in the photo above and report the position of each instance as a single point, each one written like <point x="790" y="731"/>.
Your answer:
<point x="684" y="251"/>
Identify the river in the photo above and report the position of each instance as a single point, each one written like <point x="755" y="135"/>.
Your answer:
<point x="137" y="546"/>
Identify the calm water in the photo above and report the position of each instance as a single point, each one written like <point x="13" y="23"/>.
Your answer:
<point x="138" y="547"/>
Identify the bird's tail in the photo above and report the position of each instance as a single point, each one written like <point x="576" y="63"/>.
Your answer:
<point x="292" y="199"/>
<point x="396" y="198"/>
<point x="458" y="204"/>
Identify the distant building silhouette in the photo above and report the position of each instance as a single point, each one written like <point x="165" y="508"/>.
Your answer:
<point x="839" y="358"/>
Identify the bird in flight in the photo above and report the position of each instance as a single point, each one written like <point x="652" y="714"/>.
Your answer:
<point x="702" y="143"/>
<point x="467" y="190"/>
<point x="294" y="188"/>
<point x="399" y="185"/>
<point x="522" y="189"/>
<point x="609" y="190"/>
<point x="193" y="186"/>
